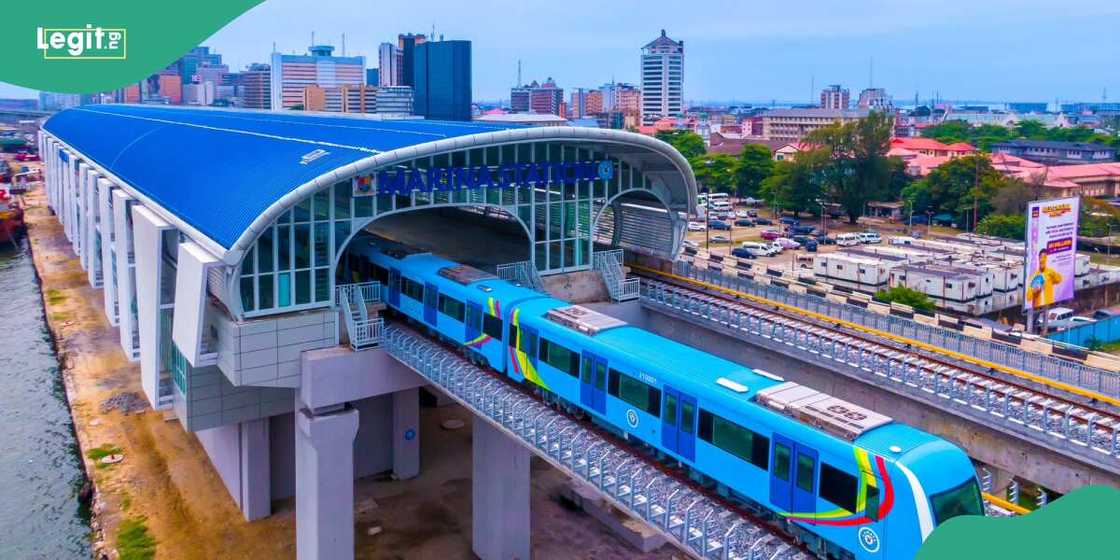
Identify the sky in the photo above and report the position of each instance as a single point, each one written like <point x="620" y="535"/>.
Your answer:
<point x="992" y="50"/>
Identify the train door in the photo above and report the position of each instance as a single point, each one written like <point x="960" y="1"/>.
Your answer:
<point x="431" y="303"/>
<point x="593" y="383"/>
<point x="678" y="423"/>
<point x="793" y="476"/>
<point x="474" y="321"/>
<point x="395" y="287"/>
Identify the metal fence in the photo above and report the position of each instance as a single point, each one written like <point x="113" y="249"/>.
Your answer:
<point x="521" y="272"/>
<point x="698" y="524"/>
<point x="1050" y="367"/>
<point x="364" y="331"/>
<point x="609" y="265"/>
<point x="1090" y="334"/>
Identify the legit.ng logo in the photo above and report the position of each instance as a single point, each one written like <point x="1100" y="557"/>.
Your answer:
<point x="82" y="43"/>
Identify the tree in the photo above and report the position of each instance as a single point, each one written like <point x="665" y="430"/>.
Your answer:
<point x="716" y="172"/>
<point x="688" y="143"/>
<point x="906" y="296"/>
<point x="755" y="165"/>
<point x="962" y="185"/>
<point x="1012" y="198"/>
<point x="796" y="184"/>
<point x="1010" y="226"/>
<point x="858" y="170"/>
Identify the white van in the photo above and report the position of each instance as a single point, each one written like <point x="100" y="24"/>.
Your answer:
<point x="849" y="239"/>
<point x="1059" y="314"/>
<point x="870" y="237"/>
<point x="756" y="249"/>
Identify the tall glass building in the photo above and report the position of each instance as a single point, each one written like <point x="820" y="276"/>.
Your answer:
<point x="442" y="74"/>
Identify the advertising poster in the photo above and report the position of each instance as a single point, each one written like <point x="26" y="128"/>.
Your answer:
<point x="1051" y="251"/>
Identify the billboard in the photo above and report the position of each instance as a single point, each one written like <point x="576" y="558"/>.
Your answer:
<point x="1051" y="251"/>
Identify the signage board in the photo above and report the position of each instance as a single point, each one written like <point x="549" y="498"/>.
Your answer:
<point x="1051" y="257"/>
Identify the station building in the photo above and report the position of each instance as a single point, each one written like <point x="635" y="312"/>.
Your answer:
<point x="220" y="240"/>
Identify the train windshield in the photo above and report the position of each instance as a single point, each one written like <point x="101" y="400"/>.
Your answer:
<point x="961" y="500"/>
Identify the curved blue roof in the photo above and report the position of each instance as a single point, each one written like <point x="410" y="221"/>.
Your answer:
<point x="218" y="170"/>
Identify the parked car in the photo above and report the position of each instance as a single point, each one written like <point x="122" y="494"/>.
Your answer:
<point x="762" y="221"/>
<point x="1106" y="313"/>
<point x="801" y="230"/>
<point x="744" y="222"/>
<point x="719" y="224"/>
<point x="774" y="248"/>
<point x="770" y="234"/>
<point x="743" y="253"/>
<point x="755" y="248"/>
<point x="691" y="244"/>
<point x="696" y="226"/>
<point x="720" y="239"/>
<point x="1058" y="314"/>
<point x="807" y="242"/>
<point x="749" y="201"/>
<point x="742" y="214"/>
<point x="789" y="221"/>
<point x="752" y="213"/>
<point x="870" y="237"/>
<point x="787" y="243"/>
<point x="824" y="239"/>
<point x="1081" y="319"/>
<point x="26" y="156"/>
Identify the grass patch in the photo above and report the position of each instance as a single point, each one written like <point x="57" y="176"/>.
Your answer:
<point x="55" y="297"/>
<point x="60" y="316"/>
<point x="134" y="542"/>
<point x="126" y="501"/>
<point x="101" y="451"/>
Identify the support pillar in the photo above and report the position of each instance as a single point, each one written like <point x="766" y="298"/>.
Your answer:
<point x="256" y="470"/>
<point x="325" y="484"/>
<point x="406" y="433"/>
<point x="501" y="491"/>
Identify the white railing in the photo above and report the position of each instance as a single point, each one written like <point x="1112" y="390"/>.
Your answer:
<point x="609" y="265"/>
<point x="521" y="272"/>
<point x="363" y="331"/>
<point x="370" y="291"/>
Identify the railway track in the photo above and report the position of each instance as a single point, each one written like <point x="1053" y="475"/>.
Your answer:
<point x="1064" y="423"/>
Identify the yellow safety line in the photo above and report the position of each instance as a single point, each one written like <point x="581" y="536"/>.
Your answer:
<point x="890" y="336"/>
<point x="1013" y="508"/>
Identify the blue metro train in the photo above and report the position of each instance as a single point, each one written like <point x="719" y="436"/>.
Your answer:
<point x="847" y="481"/>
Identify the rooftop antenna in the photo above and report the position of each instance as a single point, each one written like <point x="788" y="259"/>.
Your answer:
<point x="312" y="38"/>
<point x="519" y="72"/>
<point x="433" y="35"/>
<point x="812" y="87"/>
<point x="343" y="44"/>
<point x="871" y="72"/>
<point x="274" y="46"/>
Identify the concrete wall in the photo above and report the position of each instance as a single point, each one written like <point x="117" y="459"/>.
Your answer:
<point x="211" y="401"/>
<point x="1030" y="462"/>
<point x="577" y="287"/>
<point x="266" y="352"/>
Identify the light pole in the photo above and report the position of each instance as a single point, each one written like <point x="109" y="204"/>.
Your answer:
<point x="821" y="202"/>
<point x="910" y="219"/>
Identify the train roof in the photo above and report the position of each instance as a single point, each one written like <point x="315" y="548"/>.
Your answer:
<point x="414" y="264"/>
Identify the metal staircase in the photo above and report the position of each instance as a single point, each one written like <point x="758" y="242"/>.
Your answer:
<point x="701" y="526"/>
<point x="521" y="272"/>
<point x="354" y="299"/>
<point x="609" y="265"/>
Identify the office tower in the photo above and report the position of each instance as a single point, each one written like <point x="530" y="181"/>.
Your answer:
<point x="388" y="71"/>
<point x="662" y="78"/>
<point x="835" y="97"/>
<point x="291" y="74"/>
<point x="537" y="98"/>
<point x="442" y="76"/>
<point x="256" y="87"/>
<point x="406" y="49"/>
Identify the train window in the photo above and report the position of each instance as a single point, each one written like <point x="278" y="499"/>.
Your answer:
<point x="474" y="318"/>
<point x="735" y="439"/>
<point x="839" y="487"/>
<point x="492" y="326"/>
<point x="640" y="395"/>
<point x="962" y="500"/>
<point x="451" y="307"/>
<point x="781" y="461"/>
<point x="688" y="417"/>
<point x="805" y="467"/>
<point x="381" y="274"/>
<point x="670" y="415"/>
<point x="412" y="289"/>
<point x="872" y="502"/>
<point x="559" y="357"/>
<point x="526" y="342"/>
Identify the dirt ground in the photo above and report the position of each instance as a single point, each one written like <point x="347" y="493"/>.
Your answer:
<point x="167" y="481"/>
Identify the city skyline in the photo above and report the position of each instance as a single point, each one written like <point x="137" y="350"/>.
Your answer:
<point x="735" y="52"/>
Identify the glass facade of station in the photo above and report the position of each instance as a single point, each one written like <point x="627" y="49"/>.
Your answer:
<point x="553" y="188"/>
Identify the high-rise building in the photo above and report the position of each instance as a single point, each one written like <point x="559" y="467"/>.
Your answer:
<point x="835" y="97"/>
<point x="622" y="98"/>
<point x="131" y="93"/>
<point x="406" y="47"/>
<point x="537" y="98"/>
<point x="202" y="94"/>
<point x="256" y="87"/>
<point x="442" y="76"/>
<point x="585" y="103"/>
<point x="662" y="78"/>
<point x="373" y="77"/>
<point x="396" y="100"/>
<point x="874" y="98"/>
<point x="198" y="56"/>
<point x="291" y="73"/>
<point x="388" y="71"/>
<point x="49" y="101"/>
<point x="171" y="87"/>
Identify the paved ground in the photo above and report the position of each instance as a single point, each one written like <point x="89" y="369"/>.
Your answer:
<point x="166" y="480"/>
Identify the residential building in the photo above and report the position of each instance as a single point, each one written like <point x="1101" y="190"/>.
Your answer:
<point x="199" y="94"/>
<point x="874" y="98"/>
<point x="131" y="93"/>
<point x="389" y="70"/>
<point x="585" y="103"/>
<point x="537" y="98"/>
<point x="791" y="125"/>
<point x="929" y="147"/>
<point x="622" y="98"/>
<point x="406" y="48"/>
<point x="1056" y="153"/>
<point x="171" y="87"/>
<point x="315" y="99"/>
<point x="835" y="97"/>
<point x="256" y="87"/>
<point x="442" y="76"/>
<point x="1059" y="181"/>
<point x="291" y="73"/>
<point x="49" y="101"/>
<point x="396" y="100"/>
<point x="662" y="72"/>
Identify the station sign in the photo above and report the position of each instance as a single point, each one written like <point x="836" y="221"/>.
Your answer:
<point x="403" y="181"/>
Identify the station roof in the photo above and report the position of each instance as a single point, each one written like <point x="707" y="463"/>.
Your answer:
<point x="220" y="169"/>
<point x="222" y="175"/>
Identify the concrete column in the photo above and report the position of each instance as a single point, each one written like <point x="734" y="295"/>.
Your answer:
<point x="256" y="480"/>
<point x="325" y="484"/>
<point x="406" y="433"/>
<point x="501" y="492"/>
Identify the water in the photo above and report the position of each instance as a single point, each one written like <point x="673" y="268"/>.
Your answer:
<point x="40" y="472"/>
